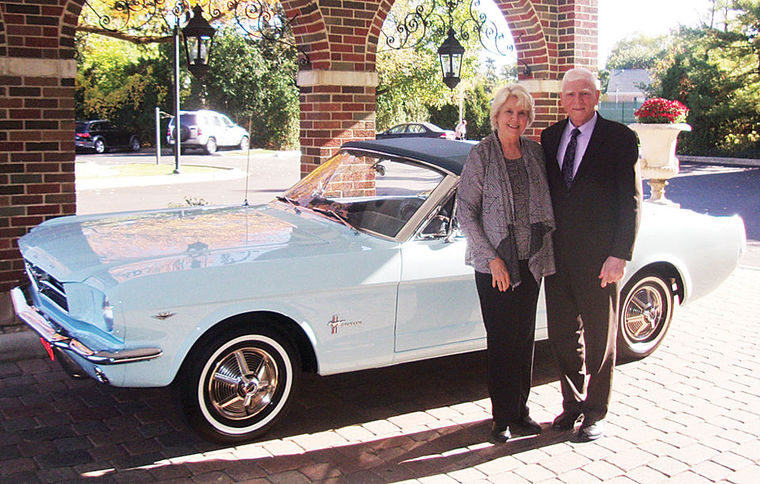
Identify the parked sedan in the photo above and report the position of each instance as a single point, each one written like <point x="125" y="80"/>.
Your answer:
<point x="359" y="265"/>
<point x="416" y="130"/>
<point x="100" y="135"/>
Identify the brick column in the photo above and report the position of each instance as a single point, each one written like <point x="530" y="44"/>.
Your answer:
<point x="36" y="151"/>
<point x="552" y="37"/>
<point x="336" y="106"/>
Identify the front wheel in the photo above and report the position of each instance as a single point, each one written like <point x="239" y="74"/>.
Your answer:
<point x="236" y="386"/>
<point x="644" y="316"/>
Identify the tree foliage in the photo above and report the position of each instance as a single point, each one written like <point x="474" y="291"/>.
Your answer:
<point x="715" y="71"/>
<point x="637" y="52"/>
<point x="254" y="82"/>
<point x="121" y="81"/>
<point x="251" y="81"/>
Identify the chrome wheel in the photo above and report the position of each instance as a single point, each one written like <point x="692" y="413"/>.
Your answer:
<point x="645" y="316"/>
<point x="235" y="386"/>
<point x="244" y="143"/>
<point x="100" y="146"/>
<point x="134" y="143"/>
<point x="243" y="383"/>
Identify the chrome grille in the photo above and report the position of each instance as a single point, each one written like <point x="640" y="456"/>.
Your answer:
<point x="47" y="285"/>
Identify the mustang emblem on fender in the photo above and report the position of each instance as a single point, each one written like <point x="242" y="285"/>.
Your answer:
<point x="336" y="323"/>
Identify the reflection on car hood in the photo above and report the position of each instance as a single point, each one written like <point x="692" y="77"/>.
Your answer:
<point x="128" y="245"/>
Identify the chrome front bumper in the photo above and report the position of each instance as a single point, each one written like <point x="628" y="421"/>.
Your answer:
<point x="58" y="338"/>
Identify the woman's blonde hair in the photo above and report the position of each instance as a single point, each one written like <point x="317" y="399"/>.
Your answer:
<point x="524" y="100"/>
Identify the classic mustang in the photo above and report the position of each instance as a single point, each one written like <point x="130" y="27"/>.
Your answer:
<point x="359" y="265"/>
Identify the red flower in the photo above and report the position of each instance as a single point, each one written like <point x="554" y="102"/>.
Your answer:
<point x="663" y="111"/>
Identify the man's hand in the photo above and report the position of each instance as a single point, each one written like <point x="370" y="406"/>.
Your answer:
<point x="499" y="274"/>
<point x="612" y="270"/>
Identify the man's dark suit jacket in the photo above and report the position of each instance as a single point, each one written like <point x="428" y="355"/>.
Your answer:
<point x="599" y="216"/>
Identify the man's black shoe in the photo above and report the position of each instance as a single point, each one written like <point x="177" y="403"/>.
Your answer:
<point x="525" y="426"/>
<point x="500" y="434"/>
<point x="566" y="420"/>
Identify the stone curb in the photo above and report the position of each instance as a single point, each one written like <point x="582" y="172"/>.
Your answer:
<point x="708" y="160"/>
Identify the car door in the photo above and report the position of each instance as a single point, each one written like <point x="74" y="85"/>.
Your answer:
<point x="228" y="128"/>
<point x="111" y="135"/>
<point x="437" y="301"/>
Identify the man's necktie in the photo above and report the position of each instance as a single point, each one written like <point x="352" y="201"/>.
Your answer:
<point x="569" y="161"/>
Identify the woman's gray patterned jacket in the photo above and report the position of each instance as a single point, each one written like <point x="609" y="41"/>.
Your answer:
<point x="485" y="209"/>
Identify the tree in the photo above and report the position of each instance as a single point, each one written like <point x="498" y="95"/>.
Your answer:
<point x="716" y="73"/>
<point x="121" y="81"/>
<point x="637" y="52"/>
<point x="254" y="82"/>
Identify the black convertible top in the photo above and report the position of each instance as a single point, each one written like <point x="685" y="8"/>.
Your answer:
<point x="447" y="154"/>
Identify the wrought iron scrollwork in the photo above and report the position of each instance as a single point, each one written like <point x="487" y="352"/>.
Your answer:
<point x="154" y="20"/>
<point x="432" y="18"/>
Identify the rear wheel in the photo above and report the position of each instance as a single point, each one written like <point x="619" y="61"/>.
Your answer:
<point x="210" y="146"/>
<point x="645" y="315"/>
<point x="134" y="143"/>
<point x="238" y="385"/>
<point x="100" y="146"/>
<point x="244" y="143"/>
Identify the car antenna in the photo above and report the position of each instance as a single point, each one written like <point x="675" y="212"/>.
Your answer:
<point x="247" y="163"/>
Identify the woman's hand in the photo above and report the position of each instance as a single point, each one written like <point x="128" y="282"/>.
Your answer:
<point x="499" y="274"/>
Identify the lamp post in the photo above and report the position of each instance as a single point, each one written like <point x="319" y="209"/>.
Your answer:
<point x="198" y="39"/>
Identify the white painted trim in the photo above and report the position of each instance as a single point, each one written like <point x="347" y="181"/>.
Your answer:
<point x="30" y="67"/>
<point x="541" y="85"/>
<point x="336" y="78"/>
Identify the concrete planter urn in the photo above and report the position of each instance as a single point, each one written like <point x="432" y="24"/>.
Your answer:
<point x="657" y="155"/>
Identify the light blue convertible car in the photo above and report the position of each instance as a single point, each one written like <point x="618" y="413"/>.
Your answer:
<point x="359" y="265"/>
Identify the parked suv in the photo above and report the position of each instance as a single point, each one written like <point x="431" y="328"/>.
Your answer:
<point x="100" y="136"/>
<point x="207" y="130"/>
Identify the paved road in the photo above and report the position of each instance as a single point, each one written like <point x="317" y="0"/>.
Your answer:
<point x="688" y="413"/>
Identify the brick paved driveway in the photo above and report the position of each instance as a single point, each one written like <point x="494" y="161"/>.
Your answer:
<point x="690" y="412"/>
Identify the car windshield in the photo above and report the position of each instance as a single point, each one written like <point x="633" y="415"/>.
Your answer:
<point x="370" y="193"/>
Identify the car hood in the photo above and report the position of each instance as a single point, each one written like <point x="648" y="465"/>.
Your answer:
<point x="119" y="247"/>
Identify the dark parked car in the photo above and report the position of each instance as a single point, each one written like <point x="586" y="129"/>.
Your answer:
<point x="100" y="136"/>
<point x="416" y="130"/>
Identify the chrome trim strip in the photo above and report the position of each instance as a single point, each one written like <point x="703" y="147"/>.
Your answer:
<point x="50" y="333"/>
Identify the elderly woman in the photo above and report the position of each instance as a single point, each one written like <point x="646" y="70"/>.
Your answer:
<point x="506" y="214"/>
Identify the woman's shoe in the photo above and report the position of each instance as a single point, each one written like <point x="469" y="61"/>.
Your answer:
<point x="500" y="434"/>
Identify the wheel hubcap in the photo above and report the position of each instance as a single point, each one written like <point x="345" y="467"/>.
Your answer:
<point x="643" y="314"/>
<point x="243" y="383"/>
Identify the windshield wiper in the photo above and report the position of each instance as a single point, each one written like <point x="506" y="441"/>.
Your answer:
<point x="332" y="213"/>
<point x="289" y="201"/>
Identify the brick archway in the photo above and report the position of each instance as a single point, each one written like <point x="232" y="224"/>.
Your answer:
<point x="37" y="71"/>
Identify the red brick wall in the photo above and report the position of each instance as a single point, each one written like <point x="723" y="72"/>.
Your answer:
<point x="36" y="121"/>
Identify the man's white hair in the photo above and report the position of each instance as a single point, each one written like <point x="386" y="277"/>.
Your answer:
<point x="581" y="73"/>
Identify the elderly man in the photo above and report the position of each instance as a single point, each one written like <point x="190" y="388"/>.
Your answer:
<point x="596" y="195"/>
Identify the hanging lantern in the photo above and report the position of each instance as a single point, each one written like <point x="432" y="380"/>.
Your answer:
<point x="450" y="53"/>
<point x="199" y="38"/>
